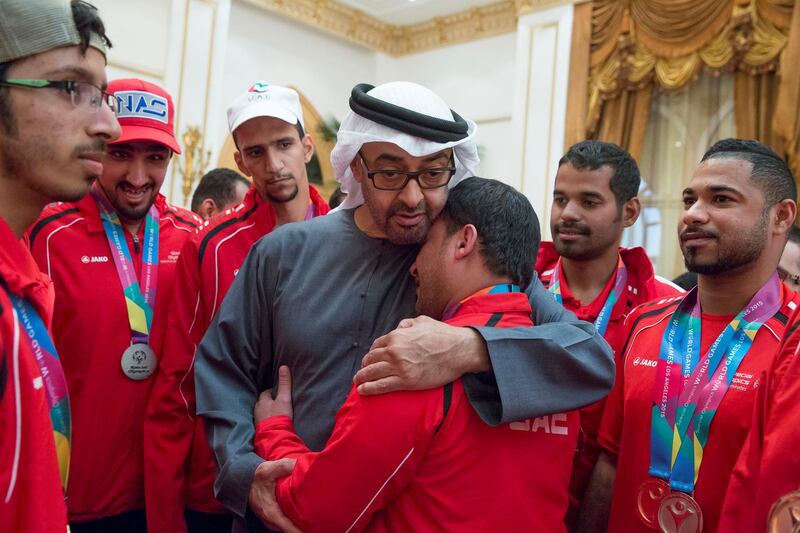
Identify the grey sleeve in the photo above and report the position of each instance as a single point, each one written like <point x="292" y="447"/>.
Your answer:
<point x="232" y="365"/>
<point x="558" y="365"/>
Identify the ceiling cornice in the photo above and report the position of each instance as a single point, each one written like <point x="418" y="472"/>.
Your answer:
<point x="396" y="40"/>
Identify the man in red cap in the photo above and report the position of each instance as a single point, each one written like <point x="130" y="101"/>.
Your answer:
<point x="111" y="257"/>
<point x="266" y="122"/>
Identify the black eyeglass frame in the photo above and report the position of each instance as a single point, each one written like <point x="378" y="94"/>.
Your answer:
<point x="408" y="175"/>
<point x="70" y="87"/>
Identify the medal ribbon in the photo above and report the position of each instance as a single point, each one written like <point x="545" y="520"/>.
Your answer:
<point x="312" y="212"/>
<point x="688" y="390"/>
<point x="503" y="288"/>
<point x="604" y="317"/>
<point x="140" y="296"/>
<point x="46" y="356"/>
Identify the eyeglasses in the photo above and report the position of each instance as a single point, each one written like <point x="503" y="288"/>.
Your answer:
<point x="396" y="180"/>
<point x="83" y="94"/>
<point x="791" y="278"/>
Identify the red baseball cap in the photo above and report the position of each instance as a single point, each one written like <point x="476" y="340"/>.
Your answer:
<point x="145" y="112"/>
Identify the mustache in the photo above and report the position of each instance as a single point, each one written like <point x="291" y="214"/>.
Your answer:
<point x="281" y="176"/>
<point x="698" y="232"/>
<point x="401" y="208"/>
<point x="93" y="147"/>
<point x="573" y="226"/>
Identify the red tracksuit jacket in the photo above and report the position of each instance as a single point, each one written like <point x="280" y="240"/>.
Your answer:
<point x="769" y="465"/>
<point x="179" y="465"/>
<point x="643" y="286"/>
<point x="31" y="497"/>
<point x="625" y="430"/>
<point x="425" y="461"/>
<point x="91" y="331"/>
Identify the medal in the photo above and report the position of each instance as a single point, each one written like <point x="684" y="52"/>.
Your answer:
<point x="680" y="513"/>
<point x="687" y="393"/>
<point x="649" y="499"/>
<point x="138" y="361"/>
<point x="784" y="516"/>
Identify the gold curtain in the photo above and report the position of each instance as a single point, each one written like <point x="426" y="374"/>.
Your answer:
<point x="639" y="45"/>
<point x="786" y="123"/>
<point x="754" y="106"/>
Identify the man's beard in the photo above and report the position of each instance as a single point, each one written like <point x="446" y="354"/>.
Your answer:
<point x="586" y="250"/>
<point x="742" y="249"/>
<point x="17" y="158"/>
<point x="399" y="234"/>
<point x="285" y="199"/>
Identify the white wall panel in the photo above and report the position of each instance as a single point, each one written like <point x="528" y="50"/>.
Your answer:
<point x="540" y="103"/>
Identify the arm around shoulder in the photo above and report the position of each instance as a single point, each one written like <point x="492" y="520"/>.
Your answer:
<point x="558" y="365"/>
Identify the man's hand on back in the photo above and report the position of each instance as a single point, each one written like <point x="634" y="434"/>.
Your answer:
<point x="421" y="353"/>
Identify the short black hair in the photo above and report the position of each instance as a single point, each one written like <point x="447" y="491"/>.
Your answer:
<point x="337" y="197"/>
<point x="508" y="228"/>
<point x="218" y="184"/>
<point x="592" y="155"/>
<point x="770" y="171"/>
<point x="87" y="21"/>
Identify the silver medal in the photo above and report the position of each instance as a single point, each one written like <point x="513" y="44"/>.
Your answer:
<point x="138" y="361"/>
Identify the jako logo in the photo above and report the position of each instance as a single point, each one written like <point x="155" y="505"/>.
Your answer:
<point x="645" y="362"/>
<point x="94" y="259"/>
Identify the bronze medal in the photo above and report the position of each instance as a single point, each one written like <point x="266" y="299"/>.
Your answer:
<point x="680" y="513"/>
<point x="649" y="499"/>
<point x="784" y="516"/>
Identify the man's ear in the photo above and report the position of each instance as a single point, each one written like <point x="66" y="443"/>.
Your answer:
<point x="207" y="209"/>
<point x="630" y="212"/>
<point x="356" y="167"/>
<point x="466" y="241"/>
<point x="308" y="147"/>
<point x="237" y="156"/>
<point x="785" y="213"/>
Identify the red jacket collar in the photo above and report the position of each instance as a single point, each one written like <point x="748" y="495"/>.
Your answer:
<point x="265" y="213"/>
<point x="510" y="302"/>
<point x="87" y="207"/>
<point x="320" y="205"/>
<point x="21" y="274"/>
<point x="640" y="271"/>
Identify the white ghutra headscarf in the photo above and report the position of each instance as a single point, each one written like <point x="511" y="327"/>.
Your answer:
<point x="417" y="110"/>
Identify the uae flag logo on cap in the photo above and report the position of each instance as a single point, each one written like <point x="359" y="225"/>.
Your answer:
<point x="258" y="87"/>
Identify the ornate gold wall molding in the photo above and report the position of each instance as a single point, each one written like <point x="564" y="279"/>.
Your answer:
<point x="357" y="26"/>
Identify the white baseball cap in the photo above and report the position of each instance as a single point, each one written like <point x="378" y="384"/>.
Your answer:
<point x="265" y="100"/>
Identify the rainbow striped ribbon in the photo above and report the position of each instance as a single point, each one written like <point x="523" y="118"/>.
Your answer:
<point x="604" y="317"/>
<point x="55" y="383"/>
<point x="140" y="296"/>
<point x="688" y="389"/>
